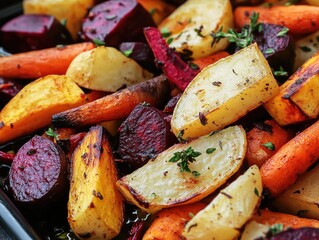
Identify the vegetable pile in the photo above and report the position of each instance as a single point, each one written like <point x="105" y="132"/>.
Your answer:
<point x="154" y="119"/>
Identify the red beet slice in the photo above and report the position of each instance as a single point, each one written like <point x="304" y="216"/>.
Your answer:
<point x="33" y="32"/>
<point x="304" y="233"/>
<point x="143" y="135"/>
<point x="6" y="158"/>
<point x="8" y="89"/>
<point x="38" y="174"/>
<point x="169" y="107"/>
<point x="176" y="70"/>
<point x="116" y="21"/>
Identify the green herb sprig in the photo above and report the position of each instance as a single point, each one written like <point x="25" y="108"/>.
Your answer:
<point x="184" y="158"/>
<point x="50" y="132"/>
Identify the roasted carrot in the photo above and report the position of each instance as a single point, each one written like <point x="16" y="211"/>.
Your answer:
<point x="264" y="140"/>
<point x="292" y="159"/>
<point x="115" y="106"/>
<point x="270" y="218"/>
<point x="169" y="223"/>
<point x="299" y="19"/>
<point x="205" y="61"/>
<point x="39" y="63"/>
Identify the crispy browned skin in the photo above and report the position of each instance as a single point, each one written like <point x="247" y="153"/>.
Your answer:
<point x="115" y="106"/>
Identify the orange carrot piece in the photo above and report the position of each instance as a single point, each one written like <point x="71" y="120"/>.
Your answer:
<point x="264" y="140"/>
<point x="205" y="61"/>
<point x="292" y="159"/>
<point x="170" y="222"/>
<point x="39" y="63"/>
<point x="300" y="19"/>
<point x="270" y="218"/>
<point x="115" y="106"/>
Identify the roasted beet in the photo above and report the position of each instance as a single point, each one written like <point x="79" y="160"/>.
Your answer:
<point x="38" y="174"/>
<point x="305" y="233"/>
<point x="276" y="45"/>
<point x="143" y="135"/>
<point x="169" y="107"/>
<point x="8" y="89"/>
<point x="116" y="21"/>
<point x="141" y="53"/>
<point x="6" y="158"/>
<point x="32" y="32"/>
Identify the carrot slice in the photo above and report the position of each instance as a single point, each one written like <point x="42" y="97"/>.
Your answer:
<point x="39" y="63"/>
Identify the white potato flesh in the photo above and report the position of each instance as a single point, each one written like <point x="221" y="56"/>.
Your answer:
<point x="254" y="230"/>
<point x="192" y="23"/>
<point x="223" y="92"/>
<point x="228" y="211"/>
<point x="161" y="184"/>
<point x="106" y="69"/>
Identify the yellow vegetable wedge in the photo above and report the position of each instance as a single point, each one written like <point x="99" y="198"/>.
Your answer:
<point x="223" y="92"/>
<point x="32" y="108"/>
<point x="191" y="24"/>
<point x="228" y="211"/>
<point x="161" y="183"/>
<point x="95" y="207"/>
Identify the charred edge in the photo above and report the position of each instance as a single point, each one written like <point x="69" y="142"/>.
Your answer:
<point x="157" y="87"/>
<point x="96" y="145"/>
<point x="86" y="235"/>
<point x="64" y="119"/>
<point x="202" y="118"/>
<point x="294" y="87"/>
<point x="138" y="198"/>
<point x="263" y="126"/>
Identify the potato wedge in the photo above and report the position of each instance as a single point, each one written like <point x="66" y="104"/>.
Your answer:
<point x="147" y="187"/>
<point x="297" y="100"/>
<point x="106" y="69"/>
<point x="32" y="108"/>
<point x="95" y="207"/>
<point x="223" y="92"/>
<point x="228" y="211"/>
<point x="71" y="11"/>
<point x="191" y="24"/>
<point x="301" y="198"/>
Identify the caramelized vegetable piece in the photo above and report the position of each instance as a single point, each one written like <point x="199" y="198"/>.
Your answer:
<point x="143" y="135"/>
<point x="296" y="234"/>
<point x="264" y="140"/>
<point x="6" y="158"/>
<point x="38" y="174"/>
<point x="177" y="71"/>
<point x="8" y="89"/>
<point x="116" y="21"/>
<point x="203" y="62"/>
<point x="39" y="63"/>
<point x="33" y="32"/>
<point x="115" y="106"/>
<point x="169" y="223"/>
<point x="32" y="108"/>
<point x="95" y="207"/>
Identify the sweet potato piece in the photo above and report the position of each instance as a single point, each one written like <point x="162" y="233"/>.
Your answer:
<point x="264" y="140"/>
<point x="143" y="135"/>
<point x="116" y="21"/>
<point x="38" y="174"/>
<point x="115" y="106"/>
<point x="33" y="32"/>
<point x="177" y="71"/>
<point x="95" y="207"/>
<point x="31" y="109"/>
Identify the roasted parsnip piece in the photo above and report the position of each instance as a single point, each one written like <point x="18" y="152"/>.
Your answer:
<point x="115" y="106"/>
<point x="95" y="207"/>
<point x="32" y="108"/>
<point x="221" y="155"/>
<point x="223" y="92"/>
<point x="228" y="211"/>
<point x="191" y="24"/>
<point x="106" y="69"/>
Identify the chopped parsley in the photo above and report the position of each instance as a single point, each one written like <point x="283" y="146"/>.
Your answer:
<point x="280" y="73"/>
<point x="210" y="150"/>
<point x="282" y="32"/>
<point x="169" y="40"/>
<point x="276" y="228"/>
<point x="153" y="11"/>
<point x="305" y="49"/>
<point x="64" y="22"/>
<point x="184" y="158"/>
<point x="269" y="145"/>
<point x="165" y="33"/>
<point x="291" y="2"/>
<point x="199" y="31"/>
<point x="256" y="192"/>
<point x="50" y="132"/>
<point x="127" y="52"/>
<point x="269" y="51"/>
<point x="98" y="42"/>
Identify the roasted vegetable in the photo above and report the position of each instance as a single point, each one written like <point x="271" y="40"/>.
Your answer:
<point x="38" y="174"/>
<point x="143" y="135"/>
<point x="31" y="109"/>
<point x="95" y="207"/>
<point x="8" y="89"/>
<point x="188" y="170"/>
<point x="115" y="106"/>
<point x="228" y="211"/>
<point x="6" y="158"/>
<point x="223" y="92"/>
<point x="33" y="32"/>
<point x="116" y="21"/>
<point x="295" y="234"/>
<point x="105" y="69"/>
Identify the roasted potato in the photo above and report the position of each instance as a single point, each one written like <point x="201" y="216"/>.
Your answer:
<point x="106" y="69"/>
<point x="191" y="24"/>
<point x="228" y="211"/>
<point x="221" y="156"/>
<point x="95" y="207"/>
<point x="223" y="92"/>
<point x="32" y="108"/>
